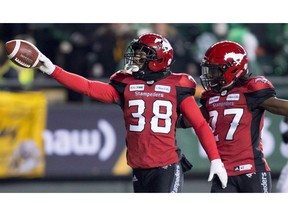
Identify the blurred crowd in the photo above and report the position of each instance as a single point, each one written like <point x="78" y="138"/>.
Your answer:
<point x="95" y="50"/>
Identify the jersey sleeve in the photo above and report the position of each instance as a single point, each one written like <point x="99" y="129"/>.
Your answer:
<point x="192" y="113"/>
<point x="119" y="81"/>
<point x="185" y="87"/>
<point x="260" y="89"/>
<point x="100" y="91"/>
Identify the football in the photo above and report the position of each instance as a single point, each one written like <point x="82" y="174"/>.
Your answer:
<point x="23" y="53"/>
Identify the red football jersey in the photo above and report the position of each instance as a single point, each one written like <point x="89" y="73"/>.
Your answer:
<point x="237" y="122"/>
<point x="150" y="113"/>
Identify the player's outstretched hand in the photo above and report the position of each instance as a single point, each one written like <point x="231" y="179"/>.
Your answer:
<point x="217" y="167"/>
<point x="47" y="66"/>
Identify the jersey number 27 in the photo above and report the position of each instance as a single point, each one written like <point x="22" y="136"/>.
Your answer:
<point x="237" y="112"/>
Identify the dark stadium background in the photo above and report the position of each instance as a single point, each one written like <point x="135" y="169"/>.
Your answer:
<point x="95" y="51"/>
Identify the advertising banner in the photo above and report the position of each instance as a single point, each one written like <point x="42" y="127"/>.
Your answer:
<point x="85" y="141"/>
<point x="23" y="119"/>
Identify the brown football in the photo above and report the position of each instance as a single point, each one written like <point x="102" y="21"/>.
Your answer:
<point x="22" y="53"/>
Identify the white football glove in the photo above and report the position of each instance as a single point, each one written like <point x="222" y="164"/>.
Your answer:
<point x="217" y="167"/>
<point x="47" y="66"/>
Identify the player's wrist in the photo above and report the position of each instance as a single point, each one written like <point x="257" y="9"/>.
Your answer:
<point x="46" y="65"/>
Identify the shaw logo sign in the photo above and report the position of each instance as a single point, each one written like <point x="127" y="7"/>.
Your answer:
<point x="84" y="141"/>
<point x="100" y="141"/>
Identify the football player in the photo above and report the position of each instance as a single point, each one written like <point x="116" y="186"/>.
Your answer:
<point x="151" y="97"/>
<point x="234" y="103"/>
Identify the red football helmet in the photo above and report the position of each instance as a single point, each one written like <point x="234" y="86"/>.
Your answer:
<point x="158" y="54"/>
<point x="223" y="64"/>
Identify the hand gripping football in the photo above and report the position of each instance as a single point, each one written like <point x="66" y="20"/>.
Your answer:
<point x="23" y="53"/>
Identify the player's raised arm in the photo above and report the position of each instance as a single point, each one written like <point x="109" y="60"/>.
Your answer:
<point x="98" y="90"/>
<point x="27" y="55"/>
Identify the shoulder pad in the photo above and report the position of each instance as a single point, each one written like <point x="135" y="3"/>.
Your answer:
<point x="183" y="80"/>
<point x="258" y="83"/>
<point x="206" y="94"/>
<point x="120" y="76"/>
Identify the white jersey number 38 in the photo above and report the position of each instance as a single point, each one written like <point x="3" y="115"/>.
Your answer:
<point x="154" y="121"/>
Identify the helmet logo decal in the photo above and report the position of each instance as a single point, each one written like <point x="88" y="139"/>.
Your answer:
<point x="237" y="57"/>
<point x="165" y="45"/>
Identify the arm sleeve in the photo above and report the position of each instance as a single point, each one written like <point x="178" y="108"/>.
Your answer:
<point x="192" y="113"/>
<point x="100" y="91"/>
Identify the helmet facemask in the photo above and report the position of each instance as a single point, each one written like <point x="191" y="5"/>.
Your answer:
<point x="136" y="59"/>
<point x="212" y="77"/>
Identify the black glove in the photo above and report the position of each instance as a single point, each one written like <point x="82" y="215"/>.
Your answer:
<point x="185" y="163"/>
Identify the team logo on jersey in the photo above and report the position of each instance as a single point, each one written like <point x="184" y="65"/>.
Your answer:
<point x="261" y="79"/>
<point x="136" y="87"/>
<point x="224" y="92"/>
<point x="233" y="97"/>
<point x="150" y="82"/>
<point x="237" y="57"/>
<point x="214" y="99"/>
<point x="162" y="88"/>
